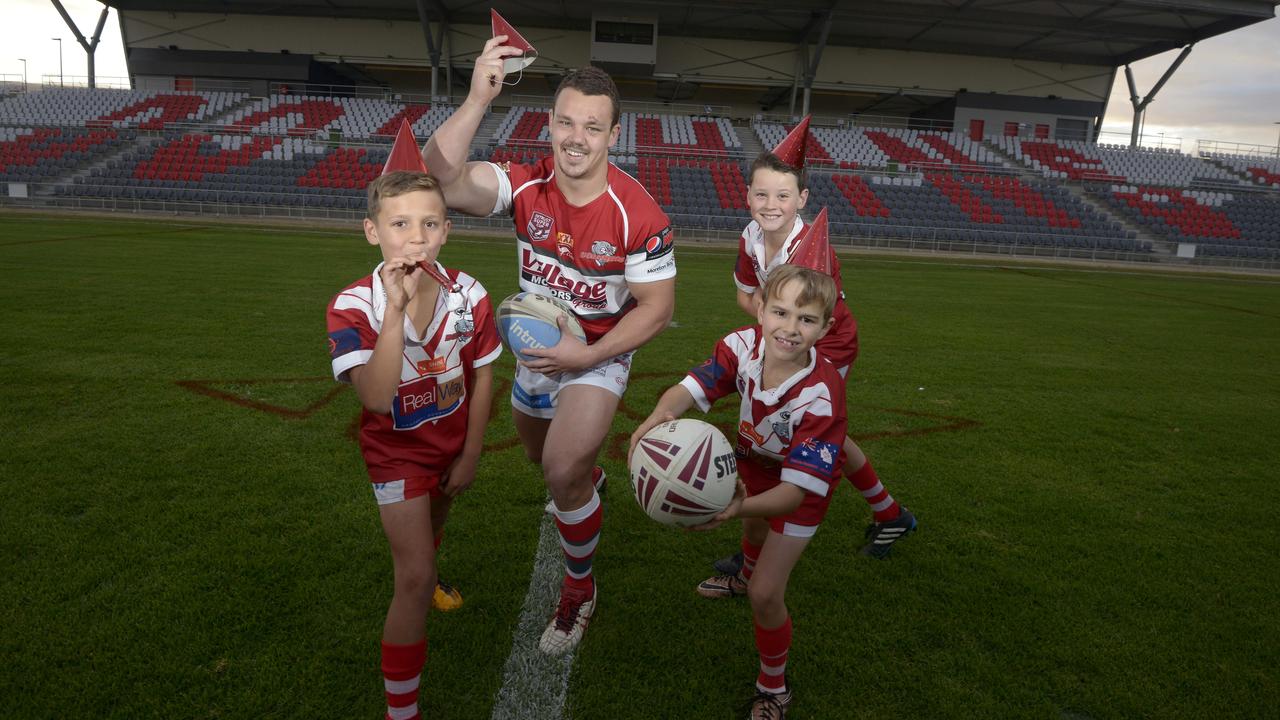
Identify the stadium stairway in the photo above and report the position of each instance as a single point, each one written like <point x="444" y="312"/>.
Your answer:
<point x="751" y="145"/>
<point x="1143" y="232"/>
<point x="143" y="143"/>
<point x="486" y="134"/>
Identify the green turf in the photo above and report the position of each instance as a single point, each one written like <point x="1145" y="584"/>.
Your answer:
<point x="1091" y="455"/>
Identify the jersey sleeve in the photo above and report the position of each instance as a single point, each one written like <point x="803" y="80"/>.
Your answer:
<point x="714" y="378"/>
<point x="487" y="346"/>
<point x="744" y="271"/>
<point x="351" y="336"/>
<point x="651" y="253"/>
<point x="814" y="459"/>
<point x="510" y="177"/>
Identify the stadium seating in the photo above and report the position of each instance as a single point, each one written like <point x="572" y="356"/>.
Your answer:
<point x="321" y="152"/>
<point x="42" y="154"/>
<point x="850" y="148"/>
<point x="1260" y="170"/>
<point x="1078" y="160"/>
<point x="115" y="108"/>
<point x="639" y="134"/>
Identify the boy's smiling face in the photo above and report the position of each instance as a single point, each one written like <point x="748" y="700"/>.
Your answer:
<point x="774" y="198"/>
<point x="790" y="329"/>
<point x="408" y="224"/>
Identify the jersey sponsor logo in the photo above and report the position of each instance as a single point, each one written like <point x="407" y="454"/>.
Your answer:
<point x="423" y="400"/>
<point x="602" y="252"/>
<point x="665" y="265"/>
<point x="815" y="455"/>
<point x="747" y="430"/>
<point x="658" y="245"/>
<point x="343" y="341"/>
<point x="539" y="227"/>
<point x="579" y="293"/>
<point x="564" y="245"/>
<point x="432" y="366"/>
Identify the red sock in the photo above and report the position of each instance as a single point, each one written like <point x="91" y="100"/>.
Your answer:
<point x="401" y="673"/>
<point x="750" y="553"/>
<point x="579" y="533"/>
<point x="437" y="539"/>
<point x="773" y="645"/>
<point x="883" y="506"/>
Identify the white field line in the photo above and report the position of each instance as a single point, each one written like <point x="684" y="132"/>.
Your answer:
<point x="534" y="685"/>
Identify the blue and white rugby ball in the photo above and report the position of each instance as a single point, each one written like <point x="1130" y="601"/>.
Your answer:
<point x="528" y="320"/>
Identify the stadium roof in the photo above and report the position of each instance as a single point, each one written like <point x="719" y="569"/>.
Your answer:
<point x="1091" y="32"/>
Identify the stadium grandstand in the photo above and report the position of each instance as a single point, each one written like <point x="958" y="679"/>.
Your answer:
<point x="937" y="126"/>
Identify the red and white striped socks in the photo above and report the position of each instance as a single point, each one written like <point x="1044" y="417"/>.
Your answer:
<point x="773" y="644"/>
<point x="579" y="533"/>
<point x="401" y="673"/>
<point x="883" y="506"/>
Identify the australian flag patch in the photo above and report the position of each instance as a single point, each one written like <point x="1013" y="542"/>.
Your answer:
<point x="816" y="456"/>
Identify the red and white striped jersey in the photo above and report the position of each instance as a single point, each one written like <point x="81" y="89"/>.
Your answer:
<point x="795" y="431"/>
<point x="428" y="422"/>
<point x="586" y="255"/>
<point x="840" y="344"/>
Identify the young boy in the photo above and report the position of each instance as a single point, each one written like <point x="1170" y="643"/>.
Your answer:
<point x="790" y="432"/>
<point x="777" y="192"/>
<point x="419" y="358"/>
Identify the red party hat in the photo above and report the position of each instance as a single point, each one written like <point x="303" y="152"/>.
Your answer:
<point x="500" y="26"/>
<point x="791" y="149"/>
<point x="405" y="153"/>
<point x="813" y="247"/>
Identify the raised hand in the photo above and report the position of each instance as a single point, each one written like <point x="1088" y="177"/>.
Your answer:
<point x="486" y="78"/>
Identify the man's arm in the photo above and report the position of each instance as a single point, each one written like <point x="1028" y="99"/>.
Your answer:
<point x="470" y="187"/>
<point x="655" y="303"/>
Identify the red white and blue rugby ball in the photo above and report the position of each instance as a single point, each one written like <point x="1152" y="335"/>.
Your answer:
<point x="528" y="320"/>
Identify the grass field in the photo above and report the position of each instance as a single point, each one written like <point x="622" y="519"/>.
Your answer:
<point x="188" y="531"/>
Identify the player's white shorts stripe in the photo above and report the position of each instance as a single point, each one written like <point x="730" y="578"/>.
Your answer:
<point x="389" y="492"/>
<point x="799" y="531"/>
<point x="400" y="687"/>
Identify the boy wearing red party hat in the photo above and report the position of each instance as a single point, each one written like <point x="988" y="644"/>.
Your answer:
<point x="416" y="340"/>
<point x="777" y="192"/>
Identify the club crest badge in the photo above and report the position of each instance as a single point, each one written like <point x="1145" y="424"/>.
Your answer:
<point x="602" y="252"/>
<point x="539" y="227"/>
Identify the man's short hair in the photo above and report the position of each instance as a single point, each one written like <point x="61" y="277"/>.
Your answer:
<point x="769" y="160"/>
<point x="398" y="183"/>
<point x="591" y="80"/>
<point x="814" y="287"/>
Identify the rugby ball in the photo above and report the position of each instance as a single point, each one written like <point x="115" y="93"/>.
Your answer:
<point x="683" y="472"/>
<point x="528" y="320"/>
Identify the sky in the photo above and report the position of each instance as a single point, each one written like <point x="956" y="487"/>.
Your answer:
<point x="1227" y="90"/>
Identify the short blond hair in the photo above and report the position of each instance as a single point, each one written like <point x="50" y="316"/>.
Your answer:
<point x="400" y="182"/>
<point x="814" y="287"/>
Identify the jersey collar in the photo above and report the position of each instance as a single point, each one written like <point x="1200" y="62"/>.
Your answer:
<point x="445" y="302"/>
<point x="755" y="370"/>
